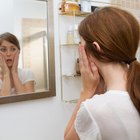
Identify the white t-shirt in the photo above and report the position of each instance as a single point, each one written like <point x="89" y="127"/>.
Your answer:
<point x="109" y="116"/>
<point x="25" y="75"/>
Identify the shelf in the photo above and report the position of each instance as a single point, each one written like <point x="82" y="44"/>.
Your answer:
<point x="69" y="45"/>
<point x="73" y="13"/>
<point x="71" y="101"/>
<point x="71" y="75"/>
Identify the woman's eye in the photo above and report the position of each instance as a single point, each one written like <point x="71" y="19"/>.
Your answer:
<point x="13" y="49"/>
<point x="2" y="49"/>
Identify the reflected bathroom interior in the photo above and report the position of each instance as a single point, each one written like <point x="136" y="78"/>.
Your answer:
<point x="34" y="30"/>
<point x="35" y="51"/>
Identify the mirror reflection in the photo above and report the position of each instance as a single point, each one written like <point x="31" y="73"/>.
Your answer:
<point x="25" y="49"/>
<point x="13" y="80"/>
<point x="35" y="50"/>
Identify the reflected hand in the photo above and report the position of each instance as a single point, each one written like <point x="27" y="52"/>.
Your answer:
<point x="89" y="74"/>
<point x="15" y="63"/>
<point x="3" y="65"/>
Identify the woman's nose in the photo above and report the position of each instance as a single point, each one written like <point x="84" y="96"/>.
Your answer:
<point x="8" y="52"/>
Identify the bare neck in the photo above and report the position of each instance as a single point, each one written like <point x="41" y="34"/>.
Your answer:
<point x="114" y="76"/>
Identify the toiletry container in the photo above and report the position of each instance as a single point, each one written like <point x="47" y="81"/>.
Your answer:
<point x="70" y="35"/>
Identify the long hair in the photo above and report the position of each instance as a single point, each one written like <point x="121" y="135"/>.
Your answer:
<point x="118" y="34"/>
<point x="10" y="38"/>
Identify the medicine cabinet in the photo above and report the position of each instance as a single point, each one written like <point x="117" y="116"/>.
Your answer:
<point x="69" y="43"/>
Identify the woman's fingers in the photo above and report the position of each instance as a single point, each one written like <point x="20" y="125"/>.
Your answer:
<point x="16" y="58"/>
<point x="3" y="65"/>
<point x="1" y="60"/>
<point x="83" y="60"/>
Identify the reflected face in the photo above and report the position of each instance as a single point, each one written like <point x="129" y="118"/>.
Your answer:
<point x="8" y="51"/>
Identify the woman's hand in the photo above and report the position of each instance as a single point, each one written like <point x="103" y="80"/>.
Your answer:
<point x="15" y="63"/>
<point x="89" y="74"/>
<point x="3" y="65"/>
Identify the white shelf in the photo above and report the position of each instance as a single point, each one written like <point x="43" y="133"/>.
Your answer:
<point x="69" y="45"/>
<point x="73" y="13"/>
<point x="74" y="101"/>
<point x="71" y="75"/>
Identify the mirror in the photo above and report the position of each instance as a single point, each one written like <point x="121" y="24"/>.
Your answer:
<point x="32" y="23"/>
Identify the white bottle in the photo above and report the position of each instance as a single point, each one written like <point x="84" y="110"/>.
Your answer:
<point x="70" y="35"/>
<point x="76" y="34"/>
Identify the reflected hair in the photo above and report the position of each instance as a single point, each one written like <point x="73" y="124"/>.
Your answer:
<point x="10" y="38"/>
<point x="118" y="33"/>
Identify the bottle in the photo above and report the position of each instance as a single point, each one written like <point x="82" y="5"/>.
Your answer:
<point x="76" y="34"/>
<point x="72" y="6"/>
<point x="85" y="5"/>
<point x="70" y="35"/>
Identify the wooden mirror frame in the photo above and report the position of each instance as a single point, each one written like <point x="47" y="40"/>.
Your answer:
<point x="52" y="91"/>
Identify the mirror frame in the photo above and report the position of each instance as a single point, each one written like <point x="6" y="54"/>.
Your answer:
<point x="52" y="91"/>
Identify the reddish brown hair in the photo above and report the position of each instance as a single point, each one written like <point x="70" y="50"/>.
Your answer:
<point x="118" y="34"/>
<point x="10" y="38"/>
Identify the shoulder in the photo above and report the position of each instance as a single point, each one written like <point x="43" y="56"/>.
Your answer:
<point x="104" y="103"/>
<point x="107" y="97"/>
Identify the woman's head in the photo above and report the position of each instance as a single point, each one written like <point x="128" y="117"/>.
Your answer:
<point x="9" y="47"/>
<point x="116" y="31"/>
<point x="9" y="38"/>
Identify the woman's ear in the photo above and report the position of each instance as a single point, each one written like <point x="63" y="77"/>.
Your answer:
<point x="97" y="46"/>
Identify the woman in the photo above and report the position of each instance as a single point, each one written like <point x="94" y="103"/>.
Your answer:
<point x="109" y="103"/>
<point x="12" y="79"/>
